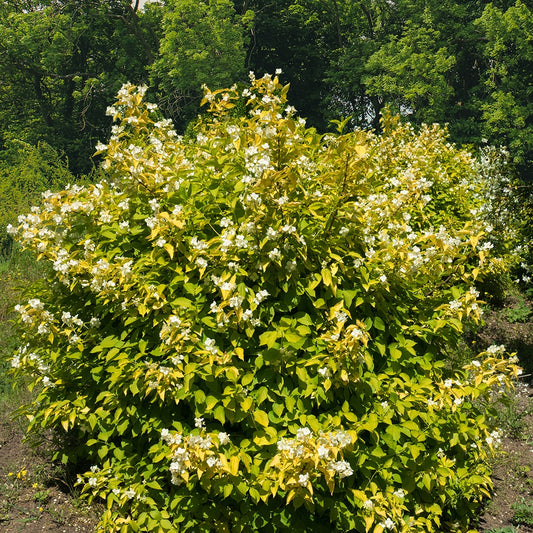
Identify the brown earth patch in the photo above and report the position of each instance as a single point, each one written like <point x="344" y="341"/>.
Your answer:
<point x="34" y="496"/>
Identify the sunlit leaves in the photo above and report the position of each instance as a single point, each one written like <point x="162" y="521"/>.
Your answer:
<point x="258" y="318"/>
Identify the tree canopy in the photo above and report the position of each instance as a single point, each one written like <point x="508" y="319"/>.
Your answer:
<point x="465" y="64"/>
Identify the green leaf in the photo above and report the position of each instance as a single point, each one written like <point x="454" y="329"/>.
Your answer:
<point x="268" y="338"/>
<point x="261" y="417"/>
<point x="220" y="414"/>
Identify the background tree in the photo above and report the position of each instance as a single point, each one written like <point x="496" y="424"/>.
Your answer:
<point x="60" y="64"/>
<point x="508" y="77"/>
<point x="202" y="42"/>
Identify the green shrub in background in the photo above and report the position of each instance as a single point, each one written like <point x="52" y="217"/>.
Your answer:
<point x="25" y="172"/>
<point x="508" y="214"/>
<point x="258" y="319"/>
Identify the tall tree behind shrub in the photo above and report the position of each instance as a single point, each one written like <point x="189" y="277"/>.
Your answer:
<point x="61" y="63"/>
<point x="203" y="42"/>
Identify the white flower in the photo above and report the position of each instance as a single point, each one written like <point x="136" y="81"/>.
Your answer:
<point x="303" y="479"/>
<point x="368" y="505"/>
<point x="201" y="262"/>
<point x="400" y="493"/>
<point x="388" y="524"/>
<point x="495" y="349"/>
<point x="455" y="305"/>
<point x="271" y="233"/>
<point x="260" y="296"/>
<point x="93" y="481"/>
<point x="291" y="265"/>
<point x="35" y="303"/>
<point x="225" y="222"/>
<point x="303" y="434"/>
<point x="210" y="345"/>
<point x="223" y="438"/>
<point x="236" y="301"/>
<point x="47" y="382"/>
<point x="323" y="452"/>
<point x="199" y="422"/>
<point x="357" y="334"/>
<point x="343" y="468"/>
<point x="274" y="255"/>
<point x="341" y="316"/>
<point x="288" y="229"/>
<point x="227" y="286"/>
<point x="198" y="244"/>
<point x="212" y="461"/>
<point x="232" y="265"/>
<point x="240" y="241"/>
<point x="325" y="372"/>
<point x="105" y="217"/>
<point x="130" y="494"/>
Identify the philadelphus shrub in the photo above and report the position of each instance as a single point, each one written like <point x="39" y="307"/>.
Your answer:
<point x="249" y="330"/>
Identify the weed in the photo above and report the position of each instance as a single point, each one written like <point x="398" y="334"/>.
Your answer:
<point x="511" y="420"/>
<point x="523" y="512"/>
<point x="42" y="496"/>
<point x="518" y="309"/>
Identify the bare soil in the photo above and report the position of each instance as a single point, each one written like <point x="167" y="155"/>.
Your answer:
<point x="34" y="495"/>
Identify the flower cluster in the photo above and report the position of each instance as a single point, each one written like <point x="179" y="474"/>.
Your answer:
<point x="301" y="460"/>
<point x="196" y="453"/>
<point x="348" y="346"/>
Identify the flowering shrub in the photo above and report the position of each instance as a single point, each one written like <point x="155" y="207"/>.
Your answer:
<point x="257" y="319"/>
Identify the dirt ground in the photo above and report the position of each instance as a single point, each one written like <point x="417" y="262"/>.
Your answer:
<point x="513" y="469"/>
<point x="34" y="497"/>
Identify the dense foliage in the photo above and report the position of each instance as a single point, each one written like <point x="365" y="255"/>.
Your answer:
<point x="257" y="318"/>
<point x="61" y="63"/>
